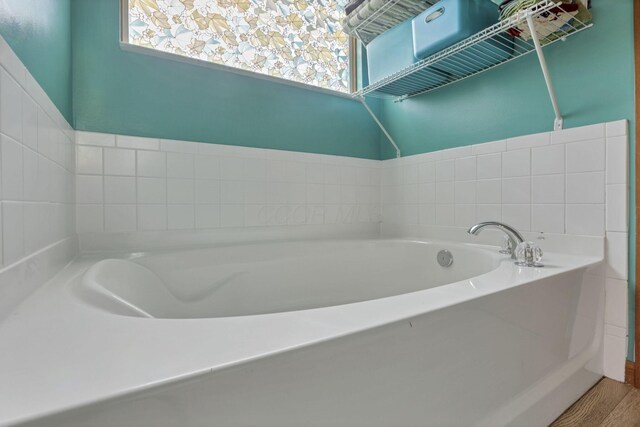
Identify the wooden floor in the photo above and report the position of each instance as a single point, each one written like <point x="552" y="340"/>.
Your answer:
<point x="609" y="403"/>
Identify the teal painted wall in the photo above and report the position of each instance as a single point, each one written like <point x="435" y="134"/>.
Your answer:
<point x="593" y="74"/>
<point x="39" y="32"/>
<point x="129" y="93"/>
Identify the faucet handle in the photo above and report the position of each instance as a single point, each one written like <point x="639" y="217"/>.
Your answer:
<point x="528" y="254"/>
<point x="507" y="245"/>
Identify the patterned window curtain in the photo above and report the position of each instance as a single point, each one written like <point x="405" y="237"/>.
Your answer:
<point x="299" y="40"/>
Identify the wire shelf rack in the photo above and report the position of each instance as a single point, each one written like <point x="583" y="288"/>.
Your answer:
<point x="485" y="50"/>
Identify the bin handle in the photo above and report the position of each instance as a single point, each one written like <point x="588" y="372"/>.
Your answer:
<point x="435" y="15"/>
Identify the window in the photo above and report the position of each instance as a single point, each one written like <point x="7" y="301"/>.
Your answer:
<point x="298" y="40"/>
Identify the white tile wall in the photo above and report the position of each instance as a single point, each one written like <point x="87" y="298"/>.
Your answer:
<point x="37" y="180"/>
<point x="572" y="182"/>
<point x="37" y="167"/>
<point x="143" y="184"/>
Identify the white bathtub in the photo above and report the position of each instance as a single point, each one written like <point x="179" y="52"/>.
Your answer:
<point x="324" y="333"/>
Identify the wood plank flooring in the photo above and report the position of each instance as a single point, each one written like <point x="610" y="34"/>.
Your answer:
<point x="608" y="404"/>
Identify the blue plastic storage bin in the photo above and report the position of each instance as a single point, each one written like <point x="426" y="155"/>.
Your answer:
<point x="391" y="52"/>
<point x="450" y="21"/>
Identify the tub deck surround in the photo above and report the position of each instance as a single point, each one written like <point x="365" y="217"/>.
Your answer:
<point x="21" y="279"/>
<point x="83" y="355"/>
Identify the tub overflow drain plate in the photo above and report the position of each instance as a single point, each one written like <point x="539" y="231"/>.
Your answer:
<point x="445" y="258"/>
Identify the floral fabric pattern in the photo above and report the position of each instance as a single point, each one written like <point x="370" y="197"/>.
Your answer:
<point x="299" y="40"/>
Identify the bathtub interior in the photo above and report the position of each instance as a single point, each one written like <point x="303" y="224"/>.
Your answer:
<point x="273" y="277"/>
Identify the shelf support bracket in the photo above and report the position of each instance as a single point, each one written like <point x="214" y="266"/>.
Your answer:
<point x="381" y="126"/>
<point x="559" y="121"/>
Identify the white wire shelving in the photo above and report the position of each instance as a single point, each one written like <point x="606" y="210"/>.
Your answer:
<point x="483" y="51"/>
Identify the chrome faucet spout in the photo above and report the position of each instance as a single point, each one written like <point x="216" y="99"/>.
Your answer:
<point x="514" y="235"/>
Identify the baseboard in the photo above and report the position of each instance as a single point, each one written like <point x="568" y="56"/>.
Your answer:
<point x="630" y="373"/>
